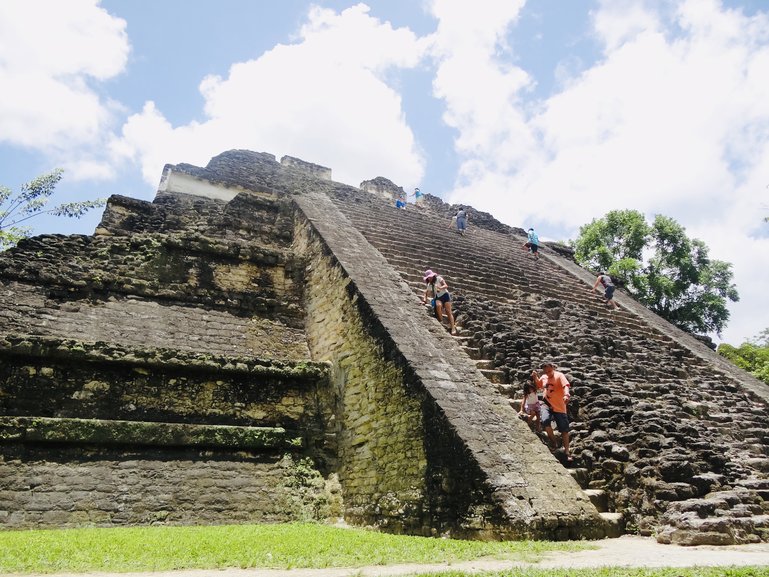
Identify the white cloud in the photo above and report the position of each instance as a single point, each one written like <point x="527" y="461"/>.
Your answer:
<point x="673" y="119"/>
<point x="50" y="54"/>
<point x="619" y="21"/>
<point x="328" y="87"/>
<point x="480" y="90"/>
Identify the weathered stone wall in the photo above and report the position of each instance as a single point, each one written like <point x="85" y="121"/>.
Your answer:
<point x="308" y="167"/>
<point x="251" y="221"/>
<point x="158" y="372"/>
<point x="55" y="378"/>
<point x="379" y="425"/>
<point x="74" y="486"/>
<point x="180" y="439"/>
<point x="383" y="188"/>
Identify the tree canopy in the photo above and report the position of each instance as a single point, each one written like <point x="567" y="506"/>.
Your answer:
<point x="661" y="267"/>
<point x="31" y="201"/>
<point x="752" y="355"/>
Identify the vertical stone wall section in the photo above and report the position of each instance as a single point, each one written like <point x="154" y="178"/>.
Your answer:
<point x="379" y="429"/>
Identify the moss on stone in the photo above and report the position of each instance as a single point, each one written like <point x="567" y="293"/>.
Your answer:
<point x="103" y="432"/>
<point x="144" y="359"/>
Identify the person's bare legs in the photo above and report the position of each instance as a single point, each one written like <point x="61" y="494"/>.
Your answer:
<point x="452" y="326"/>
<point x="439" y="310"/>
<point x="551" y="437"/>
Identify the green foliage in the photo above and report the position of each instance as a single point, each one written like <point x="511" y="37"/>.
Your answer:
<point x="32" y="200"/>
<point x="752" y="356"/>
<point x="243" y="546"/>
<point x="661" y="267"/>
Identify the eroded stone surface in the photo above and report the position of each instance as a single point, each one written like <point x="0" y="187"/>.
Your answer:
<point x="673" y="435"/>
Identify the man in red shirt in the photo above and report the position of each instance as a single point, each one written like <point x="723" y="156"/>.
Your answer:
<point x="556" y="388"/>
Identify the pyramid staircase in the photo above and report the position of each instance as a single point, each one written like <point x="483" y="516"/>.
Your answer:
<point x="653" y="423"/>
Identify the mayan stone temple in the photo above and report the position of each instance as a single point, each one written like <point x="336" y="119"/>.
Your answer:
<point x="251" y="347"/>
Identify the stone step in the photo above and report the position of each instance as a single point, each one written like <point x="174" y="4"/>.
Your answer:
<point x="571" y="295"/>
<point x="485" y="364"/>
<point x="599" y="498"/>
<point x="509" y="390"/>
<point x="494" y="277"/>
<point x="495" y="376"/>
<point x="473" y="352"/>
<point x="614" y="524"/>
<point x="581" y="475"/>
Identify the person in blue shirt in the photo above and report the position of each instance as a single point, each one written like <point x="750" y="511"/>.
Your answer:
<point x="532" y="243"/>
<point x="400" y="201"/>
<point x="418" y="197"/>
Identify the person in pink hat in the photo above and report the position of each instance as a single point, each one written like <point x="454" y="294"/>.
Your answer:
<point x="438" y="291"/>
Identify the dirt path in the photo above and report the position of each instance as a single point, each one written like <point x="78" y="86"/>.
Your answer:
<point x="627" y="551"/>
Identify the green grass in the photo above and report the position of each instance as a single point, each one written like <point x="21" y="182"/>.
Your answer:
<point x="616" y="572"/>
<point x="244" y="546"/>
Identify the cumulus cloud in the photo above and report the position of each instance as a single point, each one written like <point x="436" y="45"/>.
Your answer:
<point x="52" y="54"/>
<point x="330" y="86"/>
<point x="672" y="119"/>
<point x="480" y="89"/>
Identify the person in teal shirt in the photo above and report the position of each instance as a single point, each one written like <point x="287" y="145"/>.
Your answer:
<point x="418" y="197"/>
<point x="532" y="243"/>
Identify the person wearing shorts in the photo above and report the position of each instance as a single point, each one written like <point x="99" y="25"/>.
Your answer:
<point x="532" y="243"/>
<point x="556" y="388"/>
<point x="608" y="288"/>
<point x="437" y="288"/>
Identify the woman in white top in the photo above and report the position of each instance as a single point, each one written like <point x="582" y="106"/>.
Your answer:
<point x="438" y="290"/>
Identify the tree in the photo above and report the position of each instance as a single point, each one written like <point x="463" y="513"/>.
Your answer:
<point x="32" y="201"/>
<point x="661" y="267"/>
<point x="752" y="355"/>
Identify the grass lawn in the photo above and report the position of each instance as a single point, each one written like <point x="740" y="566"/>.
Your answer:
<point x="285" y="547"/>
<point x="244" y="546"/>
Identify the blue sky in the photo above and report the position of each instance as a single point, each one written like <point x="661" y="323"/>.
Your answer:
<point x="545" y="113"/>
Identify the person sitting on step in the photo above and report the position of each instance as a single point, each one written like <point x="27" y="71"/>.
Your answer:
<point x="400" y="201"/>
